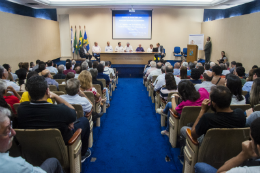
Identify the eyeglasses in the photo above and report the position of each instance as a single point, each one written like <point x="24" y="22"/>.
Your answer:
<point x="9" y="130"/>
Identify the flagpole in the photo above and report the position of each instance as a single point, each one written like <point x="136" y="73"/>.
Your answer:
<point x="72" y="44"/>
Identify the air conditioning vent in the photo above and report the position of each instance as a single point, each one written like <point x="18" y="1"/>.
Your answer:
<point x="32" y="4"/>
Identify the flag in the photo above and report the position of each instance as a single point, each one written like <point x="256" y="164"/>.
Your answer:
<point x="80" y="39"/>
<point x="85" y="40"/>
<point x="72" y="46"/>
<point x="75" y="43"/>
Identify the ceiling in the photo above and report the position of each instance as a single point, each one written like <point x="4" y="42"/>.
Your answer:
<point x="208" y="4"/>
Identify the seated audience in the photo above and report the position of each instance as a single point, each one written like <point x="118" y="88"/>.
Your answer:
<point x="108" y="70"/>
<point x="101" y="75"/>
<point x="11" y="100"/>
<point x="198" y="65"/>
<point x="240" y="72"/>
<point x="223" y="58"/>
<point x="206" y="67"/>
<point x="255" y="93"/>
<point x="48" y="77"/>
<point x="84" y="66"/>
<point x="227" y="64"/>
<point x="31" y="66"/>
<point x="190" y="97"/>
<point x="183" y="73"/>
<point x="60" y="74"/>
<point x="51" y="68"/>
<point x="234" y="84"/>
<point x="253" y="74"/>
<point x="250" y="150"/>
<point x="176" y="70"/>
<point x="42" y="66"/>
<point x="201" y="69"/>
<point x="85" y="80"/>
<point x="21" y="74"/>
<point x="73" y="63"/>
<point x="223" y="116"/>
<point x="69" y="69"/>
<point x="61" y="116"/>
<point x="77" y="70"/>
<point x="20" y="66"/>
<point x="153" y="67"/>
<point x="18" y="164"/>
<point x="212" y="64"/>
<point x="170" y="86"/>
<point x="26" y="97"/>
<point x="95" y="64"/>
<point x="4" y="77"/>
<point x="69" y="75"/>
<point x="233" y="66"/>
<point x="206" y="83"/>
<point x="55" y="65"/>
<point x="185" y="64"/>
<point x="11" y="76"/>
<point x="217" y="80"/>
<point x="90" y="65"/>
<point x="191" y="66"/>
<point x="94" y="74"/>
<point x="224" y="69"/>
<point x="37" y="65"/>
<point x="156" y="72"/>
<point x="76" y="96"/>
<point x="195" y="76"/>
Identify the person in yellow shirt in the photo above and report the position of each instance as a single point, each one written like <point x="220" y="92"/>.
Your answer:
<point x="26" y="97"/>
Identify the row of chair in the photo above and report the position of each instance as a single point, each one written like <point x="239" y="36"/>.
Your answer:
<point x="36" y="145"/>
<point x="177" y="52"/>
<point x="218" y="146"/>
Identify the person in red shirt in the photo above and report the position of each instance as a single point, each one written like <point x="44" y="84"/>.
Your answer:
<point x="69" y="69"/>
<point x="11" y="100"/>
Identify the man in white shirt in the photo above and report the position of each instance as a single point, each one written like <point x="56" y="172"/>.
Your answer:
<point x="108" y="47"/>
<point x="4" y="77"/>
<point x="156" y="72"/>
<point x="207" y="77"/>
<point x="150" y="49"/>
<point x="224" y="68"/>
<point x="96" y="51"/>
<point x="160" y="81"/>
<point x="51" y="68"/>
<point x="108" y="70"/>
<point x="119" y="48"/>
<point x="128" y="47"/>
<point x="75" y="96"/>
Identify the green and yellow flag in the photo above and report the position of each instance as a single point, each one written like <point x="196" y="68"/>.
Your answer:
<point x="75" y="43"/>
<point x="80" y="40"/>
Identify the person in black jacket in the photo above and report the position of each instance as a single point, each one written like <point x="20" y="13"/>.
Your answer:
<point x="84" y="52"/>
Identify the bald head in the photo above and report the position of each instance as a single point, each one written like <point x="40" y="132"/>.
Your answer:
<point x="159" y="65"/>
<point x="46" y="73"/>
<point x="207" y="76"/>
<point x="169" y="69"/>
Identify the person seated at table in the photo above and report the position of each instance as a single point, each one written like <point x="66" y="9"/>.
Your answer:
<point x="83" y="52"/>
<point x="96" y="51"/>
<point x="195" y="76"/>
<point x="108" y="48"/>
<point x="128" y="48"/>
<point x="139" y="48"/>
<point x="160" y="51"/>
<point x="150" y="49"/>
<point x="119" y="48"/>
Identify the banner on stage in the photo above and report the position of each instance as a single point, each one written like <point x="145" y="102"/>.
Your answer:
<point x="197" y="39"/>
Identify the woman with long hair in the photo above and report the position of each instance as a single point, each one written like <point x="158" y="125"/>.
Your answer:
<point x="223" y="58"/>
<point x="183" y="73"/>
<point x="234" y="84"/>
<point x="170" y="86"/>
<point x="255" y="93"/>
<point x="189" y="97"/>
<point x="249" y="81"/>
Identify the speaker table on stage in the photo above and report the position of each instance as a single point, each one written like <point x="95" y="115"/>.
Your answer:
<point x="192" y="52"/>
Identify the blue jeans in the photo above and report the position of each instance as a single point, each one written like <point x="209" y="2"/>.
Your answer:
<point x="204" y="168"/>
<point x="84" y="125"/>
<point x="52" y="165"/>
<point x="168" y="113"/>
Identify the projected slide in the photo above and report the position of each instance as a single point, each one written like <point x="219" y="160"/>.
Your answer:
<point x="131" y="26"/>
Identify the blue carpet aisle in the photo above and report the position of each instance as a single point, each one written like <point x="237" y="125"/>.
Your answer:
<point x="129" y="138"/>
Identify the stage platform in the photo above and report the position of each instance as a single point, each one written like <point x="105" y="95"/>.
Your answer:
<point x="124" y="70"/>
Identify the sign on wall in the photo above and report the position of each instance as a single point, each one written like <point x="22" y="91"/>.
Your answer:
<point x="197" y="39"/>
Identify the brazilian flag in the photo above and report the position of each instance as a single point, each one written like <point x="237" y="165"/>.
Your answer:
<point x="85" y="40"/>
<point x="76" y="43"/>
<point x="80" y="40"/>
